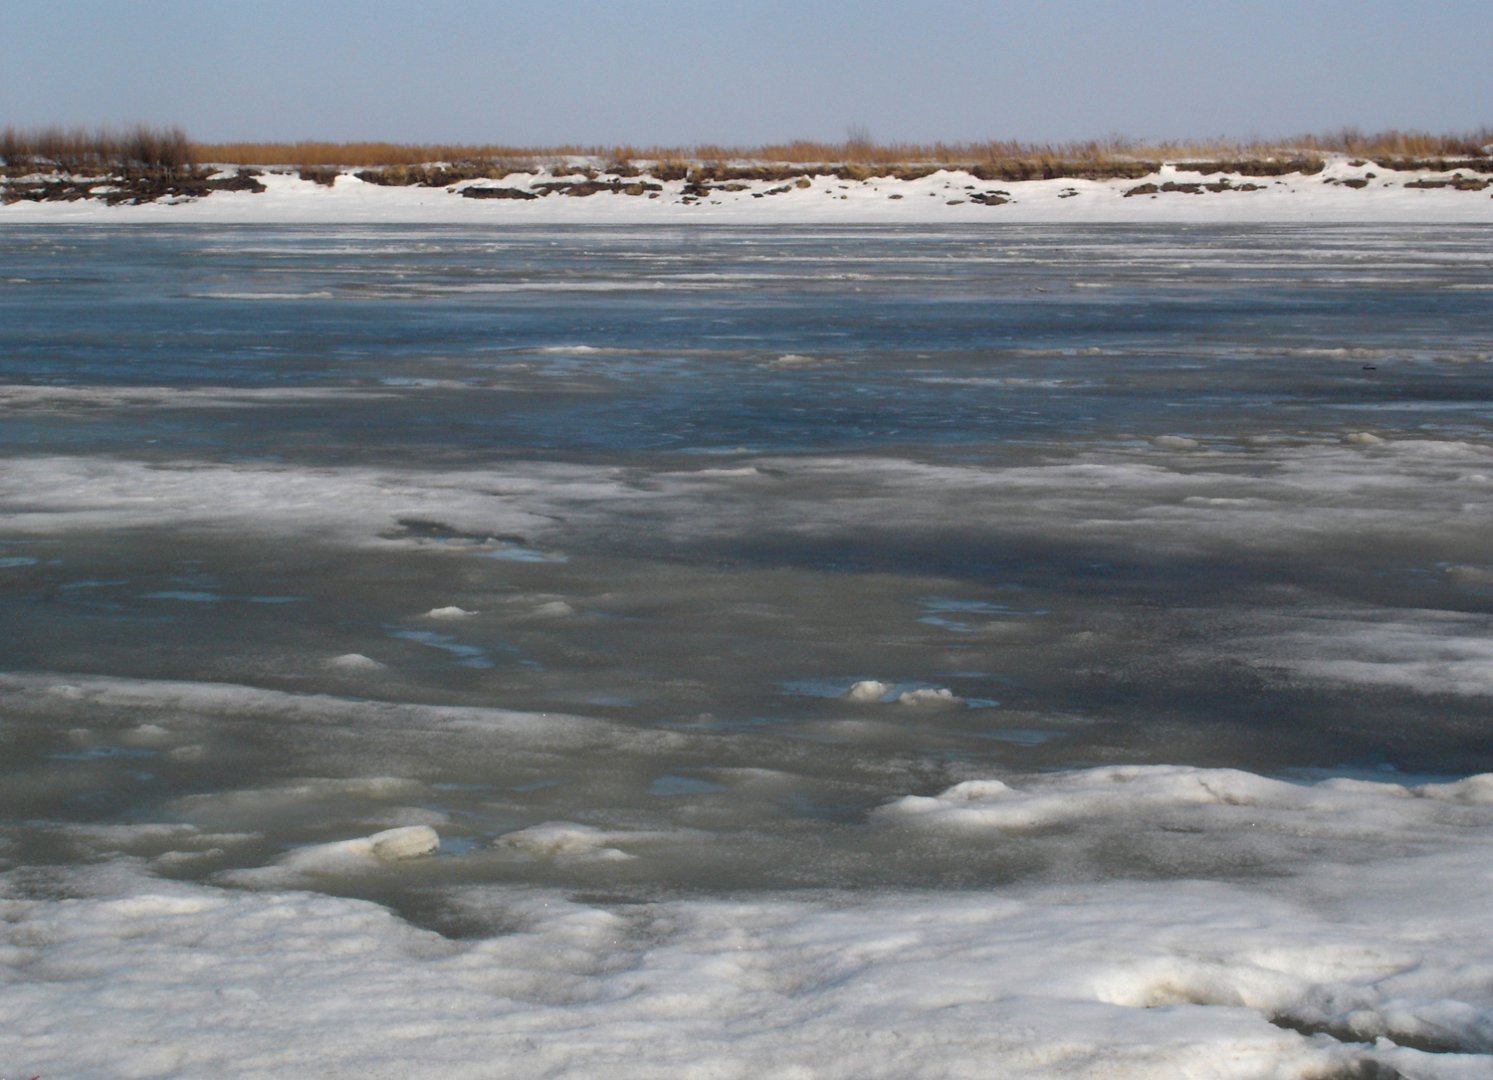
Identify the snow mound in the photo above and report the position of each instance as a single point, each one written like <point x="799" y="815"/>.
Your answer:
<point x="868" y="690"/>
<point x="930" y="698"/>
<point x="451" y="612"/>
<point x="354" y="662"/>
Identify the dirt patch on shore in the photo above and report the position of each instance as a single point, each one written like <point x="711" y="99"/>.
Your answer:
<point x="128" y="186"/>
<point x="1188" y="188"/>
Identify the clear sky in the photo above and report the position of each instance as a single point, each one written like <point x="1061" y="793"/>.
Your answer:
<point x="744" y="72"/>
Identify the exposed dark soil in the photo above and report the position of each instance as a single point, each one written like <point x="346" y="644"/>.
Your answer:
<point x="582" y="188"/>
<point x="1477" y="165"/>
<point x="1268" y="167"/>
<point x="133" y="186"/>
<point x="1458" y="183"/>
<point x="435" y="176"/>
<point x="325" y="175"/>
<point x="497" y="193"/>
<point x="1190" y="188"/>
<point x="1057" y="169"/>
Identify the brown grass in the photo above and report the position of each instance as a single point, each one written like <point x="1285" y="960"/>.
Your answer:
<point x="860" y="157"/>
<point x="364" y="155"/>
<point x="77" y="150"/>
<point x="1399" y="145"/>
<point x="857" y="158"/>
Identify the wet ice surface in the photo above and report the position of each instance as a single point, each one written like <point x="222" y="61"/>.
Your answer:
<point x="738" y="606"/>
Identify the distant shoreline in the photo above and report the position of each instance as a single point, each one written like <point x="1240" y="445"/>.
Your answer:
<point x="150" y="173"/>
<point x="1332" y="188"/>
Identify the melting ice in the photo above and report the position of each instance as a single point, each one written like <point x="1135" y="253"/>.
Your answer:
<point x="746" y="652"/>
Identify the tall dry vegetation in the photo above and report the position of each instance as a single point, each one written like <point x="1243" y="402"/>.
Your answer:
<point x="1399" y="145"/>
<point x="76" y="150"/>
<point x="861" y="149"/>
<point x="365" y="154"/>
<point x="170" y="149"/>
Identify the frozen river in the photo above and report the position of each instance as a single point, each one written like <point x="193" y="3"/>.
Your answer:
<point x="820" y="652"/>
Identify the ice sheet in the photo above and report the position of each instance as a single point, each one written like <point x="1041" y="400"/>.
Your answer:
<point x="1342" y="958"/>
<point x="883" y="654"/>
<point x="1282" y="497"/>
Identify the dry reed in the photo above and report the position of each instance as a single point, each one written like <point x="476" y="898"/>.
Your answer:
<point x="77" y="150"/>
<point x="1004" y="159"/>
<point x="858" y="157"/>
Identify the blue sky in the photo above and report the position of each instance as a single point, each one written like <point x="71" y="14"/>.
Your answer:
<point x="653" y="72"/>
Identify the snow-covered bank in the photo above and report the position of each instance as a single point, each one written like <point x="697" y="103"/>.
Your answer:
<point x="1344" y="191"/>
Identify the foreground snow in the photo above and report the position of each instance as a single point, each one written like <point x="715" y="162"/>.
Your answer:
<point x="1343" y="192"/>
<point x="1352" y="937"/>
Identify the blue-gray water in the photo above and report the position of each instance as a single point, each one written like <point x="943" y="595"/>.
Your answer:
<point x="1196" y="495"/>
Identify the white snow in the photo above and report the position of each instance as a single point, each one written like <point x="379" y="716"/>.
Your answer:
<point x="1373" y="932"/>
<point x="868" y="690"/>
<point x="408" y="842"/>
<point x="1269" y="497"/>
<point x="567" y="840"/>
<point x="343" y="858"/>
<point x="1430" y="652"/>
<point x="930" y="698"/>
<point x="1174" y="442"/>
<point x="354" y="662"/>
<point x="451" y="611"/>
<point x="942" y="196"/>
